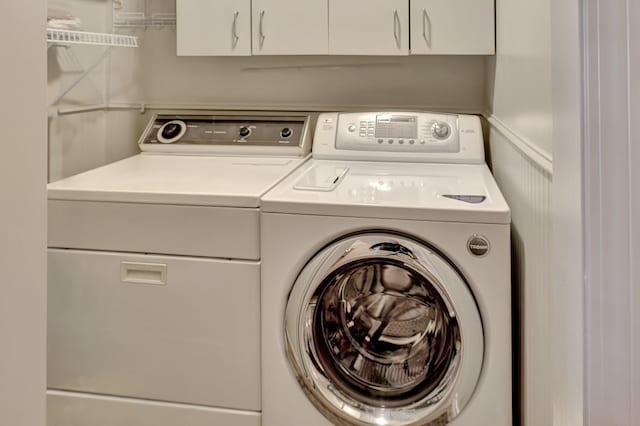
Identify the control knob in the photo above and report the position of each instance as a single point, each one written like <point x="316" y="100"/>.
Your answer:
<point x="244" y="131"/>
<point x="172" y="131"/>
<point x="441" y="130"/>
<point x="286" y="132"/>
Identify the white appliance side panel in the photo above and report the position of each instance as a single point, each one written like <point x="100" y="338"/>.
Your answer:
<point x="74" y="409"/>
<point x="159" y="328"/>
<point x="368" y="27"/>
<point x="153" y="228"/>
<point x="453" y="27"/>
<point x="290" y="27"/>
<point x="221" y="27"/>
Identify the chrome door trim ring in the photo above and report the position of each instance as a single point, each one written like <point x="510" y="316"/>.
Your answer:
<point x="447" y="400"/>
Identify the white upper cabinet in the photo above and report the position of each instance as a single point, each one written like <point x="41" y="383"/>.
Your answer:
<point x="213" y="27"/>
<point x="336" y="27"/>
<point x="290" y="27"/>
<point x="368" y="27"/>
<point x="453" y="27"/>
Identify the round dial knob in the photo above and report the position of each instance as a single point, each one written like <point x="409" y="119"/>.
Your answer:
<point x="172" y="131"/>
<point x="441" y="130"/>
<point x="244" y="131"/>
<point x="286" y="132"/>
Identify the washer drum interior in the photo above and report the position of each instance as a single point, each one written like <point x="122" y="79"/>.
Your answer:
<point x="381" y="330"/>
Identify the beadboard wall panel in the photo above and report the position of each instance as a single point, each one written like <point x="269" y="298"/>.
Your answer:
<point x="525" y="181"/>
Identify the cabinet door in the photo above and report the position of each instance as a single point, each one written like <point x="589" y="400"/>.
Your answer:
<point x="452" y="27"/>
<point x="368" y="27"/>
<point x="290" y="27"/>
<point x="213" y="27"/>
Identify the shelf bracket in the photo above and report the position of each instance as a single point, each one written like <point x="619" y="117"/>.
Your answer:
<point x="81" y="77"/>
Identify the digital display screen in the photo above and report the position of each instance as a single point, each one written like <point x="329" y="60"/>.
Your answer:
<point x="397" y="126"/>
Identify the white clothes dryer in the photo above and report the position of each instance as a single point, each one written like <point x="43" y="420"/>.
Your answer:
<point x="154" y="269"/>
<point x="386" y="278"/>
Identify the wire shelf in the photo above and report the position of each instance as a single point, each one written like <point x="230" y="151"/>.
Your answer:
<point x="55" y="36"/>
<point x="141" y="20"/>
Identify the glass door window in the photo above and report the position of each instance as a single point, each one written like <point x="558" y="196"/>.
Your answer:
<point x="384" y="326"/>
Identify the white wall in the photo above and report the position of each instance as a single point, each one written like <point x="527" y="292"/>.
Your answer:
<point x="158" y="76"/>
<point x="612" y="209"/>
<point x="455" y="83"/>
<point x="23" y="215"/>
<point x="519" y="100"/>
<point x="519" y="77"/>
<point x="77" y="142"/>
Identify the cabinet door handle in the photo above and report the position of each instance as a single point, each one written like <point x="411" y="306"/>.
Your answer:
<point x="396" y="27"/>
<point x="426" y="27"/>
<point x="262" y="37"/>
<point x="234" y="29"/>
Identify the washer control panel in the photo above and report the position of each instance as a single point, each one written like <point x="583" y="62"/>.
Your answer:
<point x="407" y="136"/>
<point x="398" y="132"/>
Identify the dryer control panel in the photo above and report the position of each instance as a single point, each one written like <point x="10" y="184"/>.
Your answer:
<point x="234" y="133"/>
<point x="399" y="136"/>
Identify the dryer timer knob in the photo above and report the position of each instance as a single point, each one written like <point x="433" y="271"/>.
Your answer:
<point x="171" y="131"/>
<point x="286" y="132"/>
<point x="244" y="131"/>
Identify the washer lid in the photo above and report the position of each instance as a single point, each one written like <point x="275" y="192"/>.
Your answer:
<point x="439" y="192"/>
<point x="176" y="179"/>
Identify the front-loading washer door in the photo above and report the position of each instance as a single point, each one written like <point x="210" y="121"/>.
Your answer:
<point x="382" y="330"/>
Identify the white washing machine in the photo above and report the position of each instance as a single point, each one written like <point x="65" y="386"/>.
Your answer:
<point x="154" y="269"/>
<point x="386" y="278"/>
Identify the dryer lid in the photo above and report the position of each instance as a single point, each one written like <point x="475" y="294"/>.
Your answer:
<point x="178" y="179"/>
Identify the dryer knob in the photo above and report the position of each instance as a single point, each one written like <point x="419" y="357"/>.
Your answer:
<point x="286" y="132"/>
<point x="172" y="131"/>
<point x="244" y="131"/>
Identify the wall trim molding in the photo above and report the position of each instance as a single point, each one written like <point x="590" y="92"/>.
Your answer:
<point x="536" y="155"/>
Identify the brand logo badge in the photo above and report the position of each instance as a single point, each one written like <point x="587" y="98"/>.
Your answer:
<point x="478" y="245"/>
